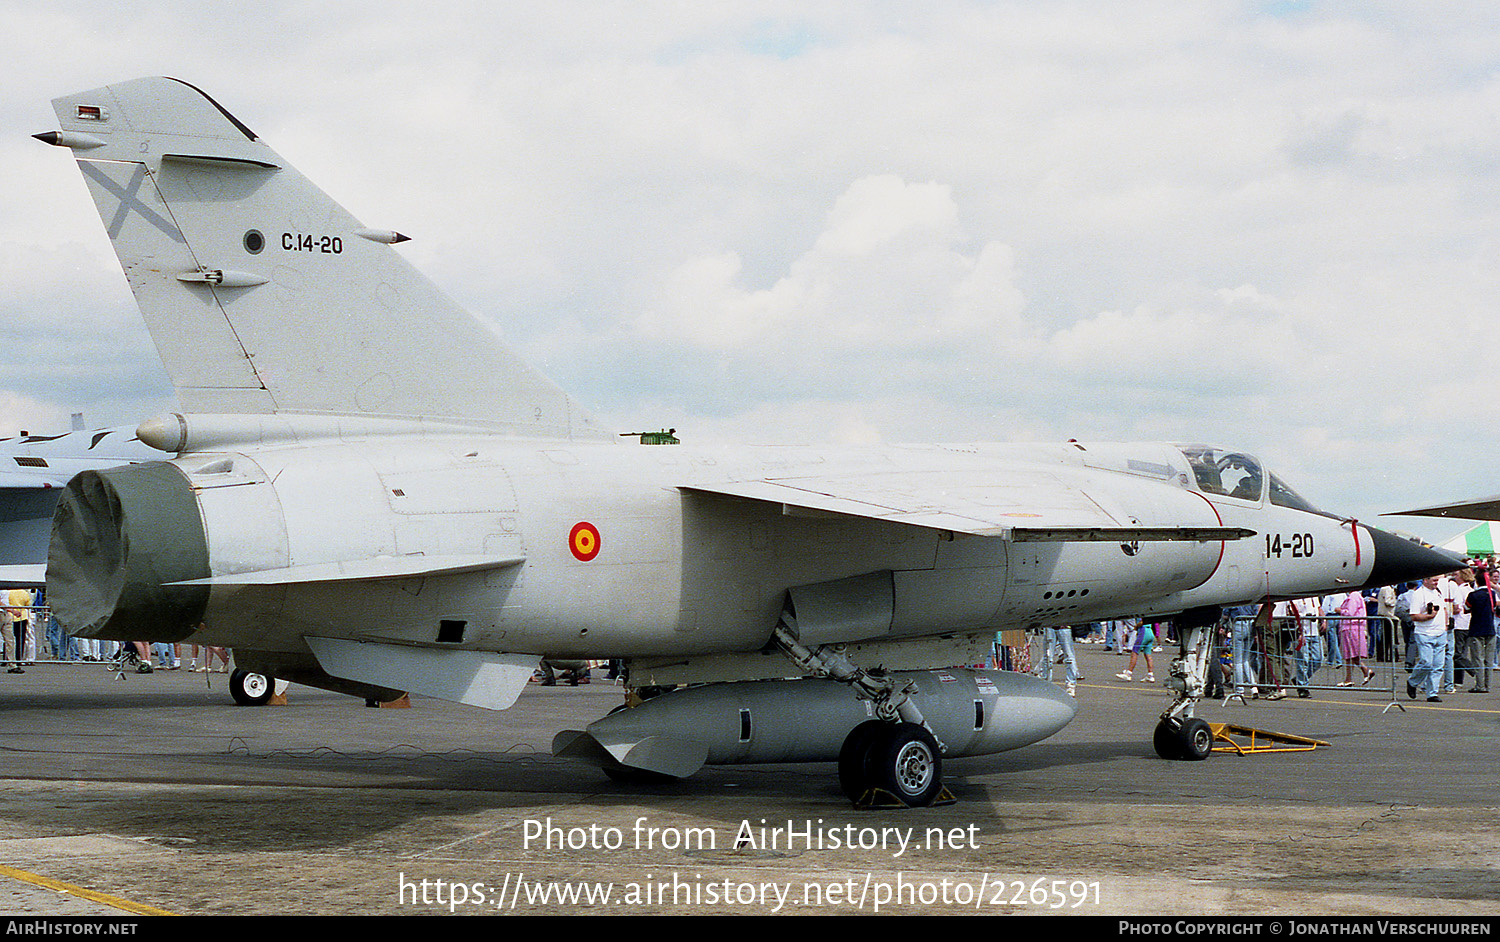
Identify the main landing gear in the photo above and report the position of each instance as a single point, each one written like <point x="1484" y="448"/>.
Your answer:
<point x="882" y="760"/>
<point x="249" y="689"/>
<point x="891" y="761"/>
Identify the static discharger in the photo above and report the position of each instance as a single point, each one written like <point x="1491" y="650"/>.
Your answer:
<point x="385" y="236"/>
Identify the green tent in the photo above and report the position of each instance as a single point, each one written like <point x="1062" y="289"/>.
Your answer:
<point x="1480" y="540"/>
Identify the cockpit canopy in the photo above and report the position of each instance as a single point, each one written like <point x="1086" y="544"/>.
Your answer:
<point x="1238" y="475"/>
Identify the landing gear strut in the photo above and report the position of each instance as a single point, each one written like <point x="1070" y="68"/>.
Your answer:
<point x="894" y="759"/>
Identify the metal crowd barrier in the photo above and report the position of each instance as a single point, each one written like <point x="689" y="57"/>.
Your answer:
<point x="1281" y="654"/>
<point x="1285" y="656"/>
<point x="39" y="642"/>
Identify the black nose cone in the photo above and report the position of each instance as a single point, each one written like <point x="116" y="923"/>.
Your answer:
<point x="1400" y="560"/>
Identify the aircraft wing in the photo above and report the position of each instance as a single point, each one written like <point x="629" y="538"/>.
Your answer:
<point x="1484" y="508"/>
<point x="27" y="480"/>
<point x="27" y="501"/>
<point x="1020" y="508"/>
<point x="23" y="575"/>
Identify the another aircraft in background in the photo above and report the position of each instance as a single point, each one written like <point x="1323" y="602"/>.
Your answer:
<point x="33" y="471"/>
<point x="1482" y="508"/>
<point x="372" y="494"/>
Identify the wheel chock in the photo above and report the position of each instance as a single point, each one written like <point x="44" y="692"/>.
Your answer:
<point x="402" y="702"/>
<point x="878" y="799"/>
<point x="1260" y="740"/>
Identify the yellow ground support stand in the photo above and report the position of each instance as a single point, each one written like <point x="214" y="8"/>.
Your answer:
<point x="880" y="799"/>
<point x="1260" y="740"/>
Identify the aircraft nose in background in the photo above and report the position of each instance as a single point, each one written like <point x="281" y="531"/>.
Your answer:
<point x="1400" y="560"/>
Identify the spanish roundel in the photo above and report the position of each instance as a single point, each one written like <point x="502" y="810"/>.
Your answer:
<point x="584" y="541"/>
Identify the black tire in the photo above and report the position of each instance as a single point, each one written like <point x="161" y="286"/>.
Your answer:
<point x="904" y="760"/>
<point x="1196" y="740"/>
<point x="852" y="755"/>
<point x="1189" y="740"/>
<point x="1166" y="741"/>
<point x="249" y="689"/>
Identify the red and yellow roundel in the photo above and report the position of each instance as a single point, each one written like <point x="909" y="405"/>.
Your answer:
<point x="583" y="540"/>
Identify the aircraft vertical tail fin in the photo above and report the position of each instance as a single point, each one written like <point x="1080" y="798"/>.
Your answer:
<point x="263" y="295"/>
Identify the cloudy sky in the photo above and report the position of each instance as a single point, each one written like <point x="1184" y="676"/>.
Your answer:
<point x="1273" y="225"/>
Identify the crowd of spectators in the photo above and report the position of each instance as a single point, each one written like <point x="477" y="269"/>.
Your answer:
<point x="1442" y="631"/>
<point x="31" y="634"/>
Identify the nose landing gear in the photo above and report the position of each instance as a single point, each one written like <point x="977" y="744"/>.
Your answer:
<point x="1179" y="734"/>
<point x="1183" y="738"/>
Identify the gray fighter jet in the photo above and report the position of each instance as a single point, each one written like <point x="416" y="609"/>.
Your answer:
<point x="371" y="494"/>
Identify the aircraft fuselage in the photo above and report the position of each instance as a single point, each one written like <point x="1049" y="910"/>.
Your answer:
<point x="626" y="551"/>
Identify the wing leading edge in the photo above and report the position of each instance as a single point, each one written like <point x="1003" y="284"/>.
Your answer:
<point x="1054" y="514"/>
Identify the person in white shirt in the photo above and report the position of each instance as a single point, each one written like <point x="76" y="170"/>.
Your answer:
<point x="1429" y="613"/>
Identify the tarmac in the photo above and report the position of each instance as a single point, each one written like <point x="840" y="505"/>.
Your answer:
<point x="155" y="794"/>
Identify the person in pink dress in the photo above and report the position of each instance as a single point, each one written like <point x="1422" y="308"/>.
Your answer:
<point x="1354" y="640"/>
